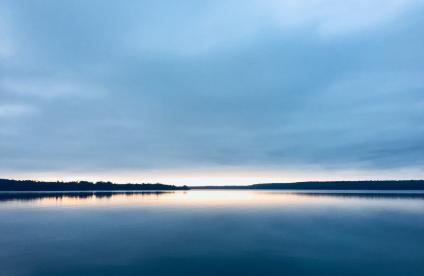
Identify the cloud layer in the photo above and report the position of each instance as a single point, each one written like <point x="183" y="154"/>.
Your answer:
<point x="182" y="85"/>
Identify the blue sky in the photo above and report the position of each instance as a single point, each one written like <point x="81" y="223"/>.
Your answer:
<point x="212" y="92"/>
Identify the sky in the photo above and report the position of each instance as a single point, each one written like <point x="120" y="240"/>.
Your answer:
<point x="211" y="92"/>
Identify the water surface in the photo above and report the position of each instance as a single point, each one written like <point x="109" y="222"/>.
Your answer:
<point x="214" y="232"/>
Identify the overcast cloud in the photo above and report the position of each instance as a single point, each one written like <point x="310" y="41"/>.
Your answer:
<point x="95" y="86"/>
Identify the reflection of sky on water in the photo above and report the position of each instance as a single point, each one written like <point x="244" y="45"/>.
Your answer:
<point x="412" y="200"/>
<point x="223" y="232"/>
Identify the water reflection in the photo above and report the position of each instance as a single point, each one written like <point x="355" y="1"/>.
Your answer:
<point x="211" y="198"/>
<point x="34" y="196"/>
<point x="201" y="232"/>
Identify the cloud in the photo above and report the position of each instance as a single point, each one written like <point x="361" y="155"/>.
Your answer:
<point x="339" y="17"/>
<point x="147" y="85"/>
<point x="8" y="111"/>
<point x="7" y="45"/>
<point x="188" y="29"/>
<point x="47" y="88"/>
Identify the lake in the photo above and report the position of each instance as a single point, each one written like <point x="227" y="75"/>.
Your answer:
<point x="212" y="232"/>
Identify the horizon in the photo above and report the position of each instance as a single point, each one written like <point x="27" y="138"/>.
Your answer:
<point x="221" y="185"/>
<point x="215" y="180"/>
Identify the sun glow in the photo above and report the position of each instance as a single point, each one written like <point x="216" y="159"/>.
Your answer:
<point x="218" y="177"/>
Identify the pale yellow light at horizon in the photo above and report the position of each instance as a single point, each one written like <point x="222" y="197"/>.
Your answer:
<point x="217" y="177"/>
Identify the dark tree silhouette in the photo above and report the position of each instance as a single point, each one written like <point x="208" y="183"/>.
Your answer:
<point x="30" y="185"/>
<point x="333" y="185"/>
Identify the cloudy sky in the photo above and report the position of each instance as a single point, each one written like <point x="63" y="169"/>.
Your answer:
<point x="211" y="92"/>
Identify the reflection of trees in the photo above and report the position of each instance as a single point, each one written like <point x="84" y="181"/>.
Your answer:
<point x="351" y="194"/>
<point x="369" y="195"/>
<point x="33" y="196"/>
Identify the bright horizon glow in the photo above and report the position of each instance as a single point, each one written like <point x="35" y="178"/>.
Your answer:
<point x="219" y="177"/>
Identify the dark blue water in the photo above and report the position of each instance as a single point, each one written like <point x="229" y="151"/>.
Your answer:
<point x="212" y="233"/>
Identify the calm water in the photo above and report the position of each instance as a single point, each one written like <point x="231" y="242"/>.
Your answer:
<point x="212" y="233"/>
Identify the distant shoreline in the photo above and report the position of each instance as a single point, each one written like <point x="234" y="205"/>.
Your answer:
<point x="388" y="185"/>
<point x="39" y="186"/>
<point x="392" y="185"/>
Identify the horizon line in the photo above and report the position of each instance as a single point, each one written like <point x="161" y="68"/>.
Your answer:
<point x="241" y="185"/>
